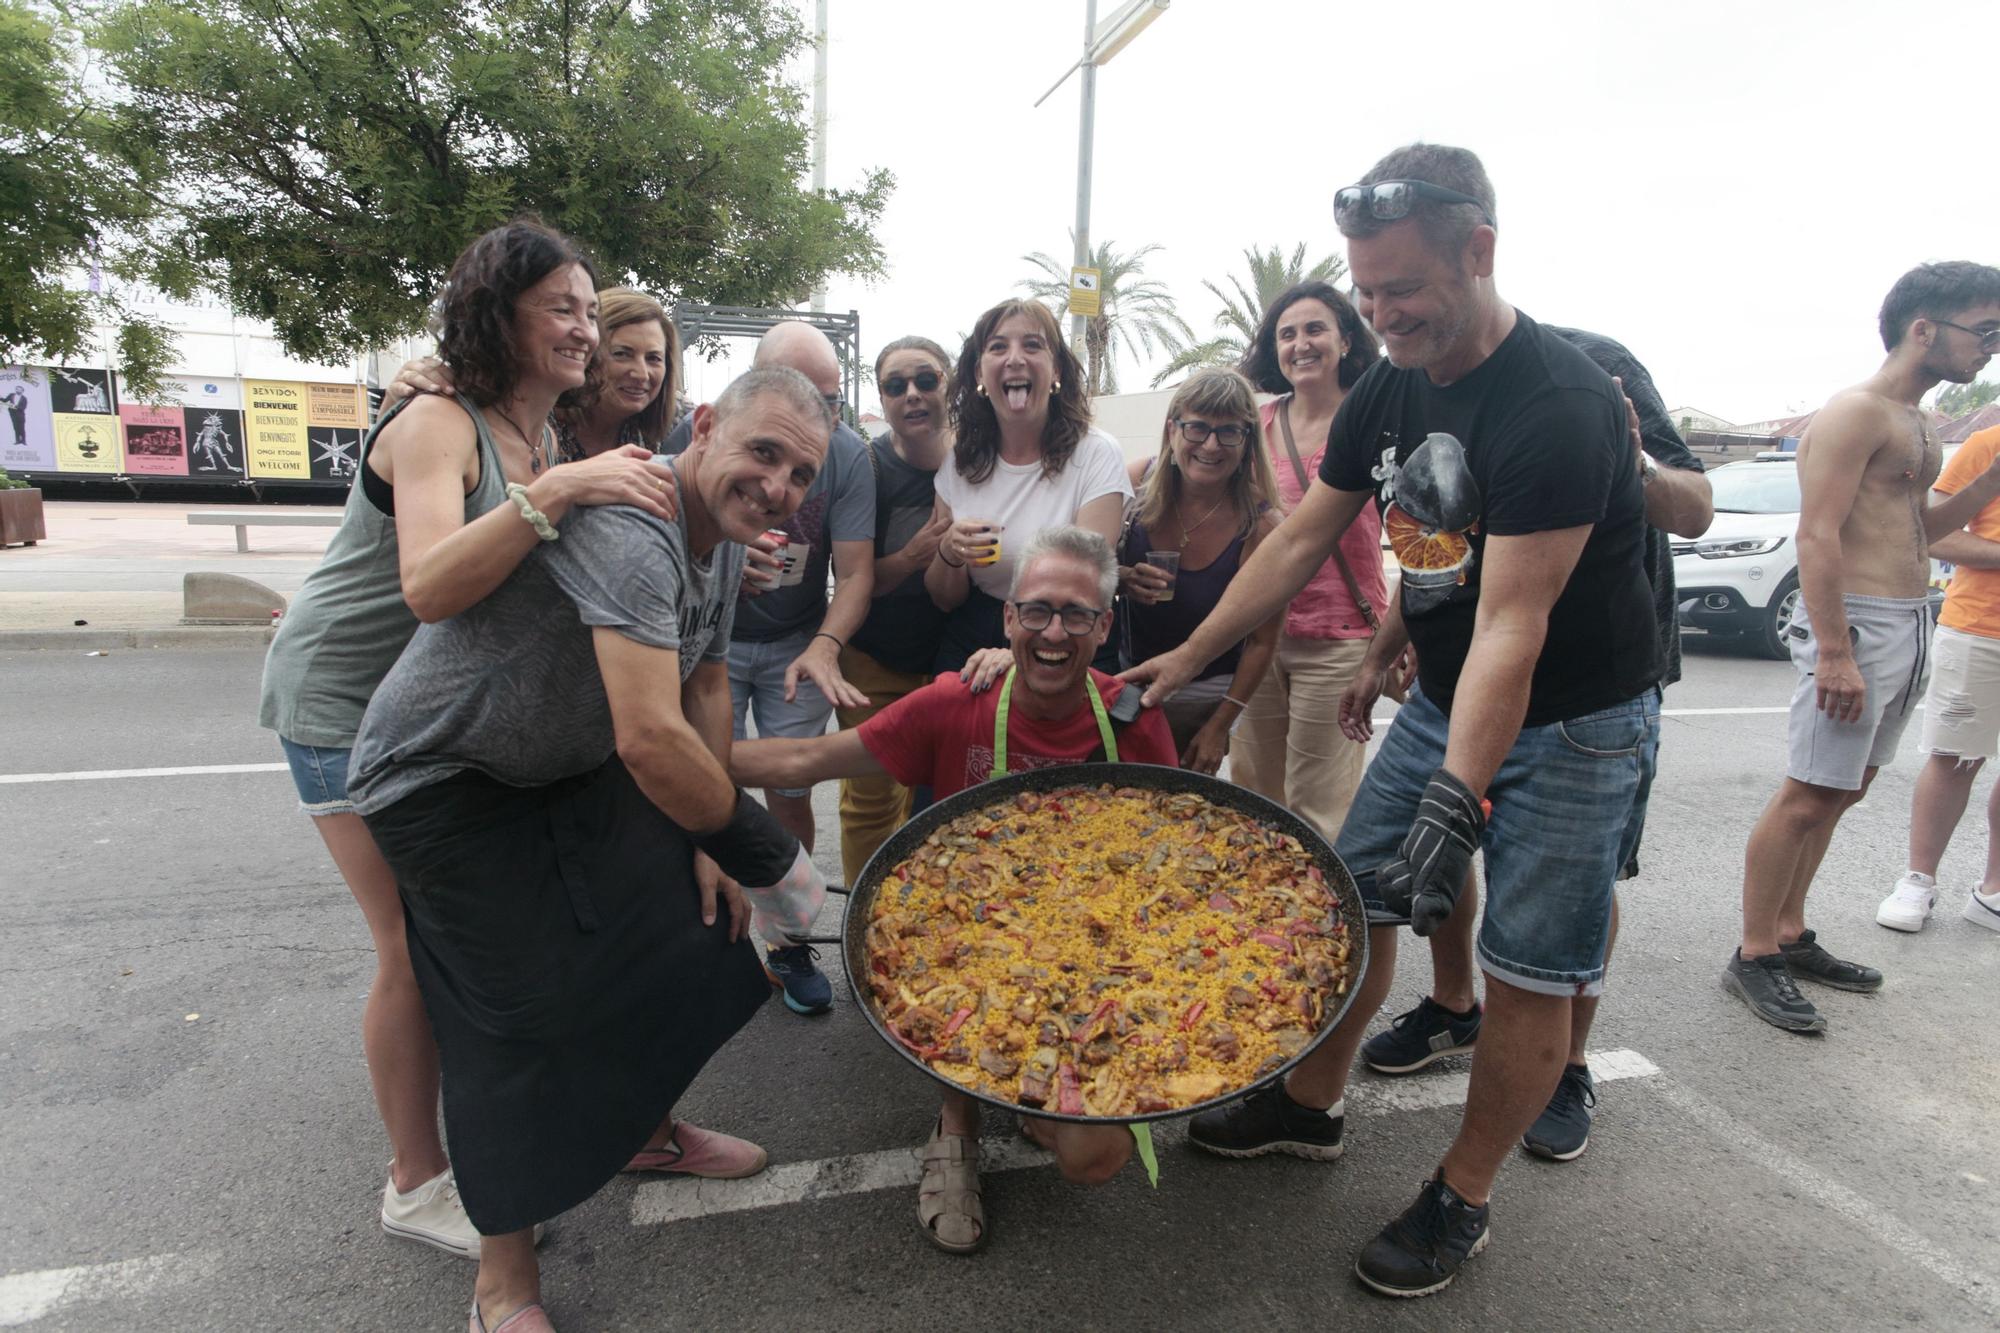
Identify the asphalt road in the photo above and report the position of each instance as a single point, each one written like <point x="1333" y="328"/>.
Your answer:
<point x="189" y="1141"/>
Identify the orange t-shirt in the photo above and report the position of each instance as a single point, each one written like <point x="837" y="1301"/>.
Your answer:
<point x="1972" y="602"/>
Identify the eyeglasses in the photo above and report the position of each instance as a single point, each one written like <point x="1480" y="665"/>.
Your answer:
<point x="1989" y="339"/>
<point x="1197" y="432"/>
<point x="1390" y="201"/>
<point x="834" y="404"/>
<point x="925" y="380"/>
<point x="1076" y="620"/>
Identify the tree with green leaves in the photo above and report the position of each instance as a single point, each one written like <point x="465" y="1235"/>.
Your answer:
<point x="331" y="157"/>
<point x="1955" y="400"/>
<point x="1134" y="311"/>
<point x="1243" y="307"/>
<point x="73" y="202"/>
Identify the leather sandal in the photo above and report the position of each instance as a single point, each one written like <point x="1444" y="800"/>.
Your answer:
<point x="948" y="1199"/>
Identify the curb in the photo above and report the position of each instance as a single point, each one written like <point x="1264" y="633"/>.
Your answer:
<point x="105" y="640"/>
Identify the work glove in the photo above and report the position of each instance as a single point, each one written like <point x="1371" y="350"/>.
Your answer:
<point x="1425" y="877"/>
<point x="777" y="875"/>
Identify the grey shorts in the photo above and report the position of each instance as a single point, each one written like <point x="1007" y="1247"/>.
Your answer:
<point x="757" y="686"/>
<point x="1891" y="637"/>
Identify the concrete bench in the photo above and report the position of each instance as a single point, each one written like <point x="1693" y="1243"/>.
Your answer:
<point x="242" y="520"/>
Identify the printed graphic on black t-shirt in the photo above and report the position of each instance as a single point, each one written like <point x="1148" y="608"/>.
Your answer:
<point x="1534" y="440"/>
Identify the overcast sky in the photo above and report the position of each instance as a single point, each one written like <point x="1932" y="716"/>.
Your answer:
<point x="1728" y="188"/>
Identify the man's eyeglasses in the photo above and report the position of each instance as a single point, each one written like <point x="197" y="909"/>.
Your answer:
<point x="1197" y="432"/>
<point x="1391" y="201"/>
<point x="1989" y="339"/>
<point x="835" y="404"/>
<point x="925" y="380"/>
<point x="1076" y="620"/>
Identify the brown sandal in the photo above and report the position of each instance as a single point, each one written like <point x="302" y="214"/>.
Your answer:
<point x="948" y="1202"/>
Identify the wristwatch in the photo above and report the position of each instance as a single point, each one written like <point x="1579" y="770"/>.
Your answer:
<point x="1648" y="469"/>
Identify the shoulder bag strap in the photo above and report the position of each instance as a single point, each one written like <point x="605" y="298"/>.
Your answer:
<point x="1361" y="602"/>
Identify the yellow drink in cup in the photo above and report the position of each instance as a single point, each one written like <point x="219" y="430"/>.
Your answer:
<point x="991" y="555"/>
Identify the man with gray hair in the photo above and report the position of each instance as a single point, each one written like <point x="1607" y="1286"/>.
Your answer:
<point x="1512" y="498"/>
<point x="1049" y="710"/>
<point x="784" y="653"/>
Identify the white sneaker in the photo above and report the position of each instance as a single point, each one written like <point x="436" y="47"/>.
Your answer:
<point x="1909" y="905"/>
<point x="431" y="1213"/>
<point x="1983" y="909"/>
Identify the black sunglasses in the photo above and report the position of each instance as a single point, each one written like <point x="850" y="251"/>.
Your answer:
<point x="1989" y="339"/>
<point x="1076" y="620"/>
<point x="925" y="380"/>
<point x="1391" y="201"/>
<point x="1197" y="432"/>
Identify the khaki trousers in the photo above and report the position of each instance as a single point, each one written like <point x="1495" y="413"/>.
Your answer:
<point x="1287" y="745"/>
<point x="871" y="808"/>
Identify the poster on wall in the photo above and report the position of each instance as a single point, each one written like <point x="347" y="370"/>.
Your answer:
<point x="333" y="430"/>
<point x="87" y="442"/>
<point x="155" y="442"/>
<point x="214" y="441"/>
<point x="335" y="405"/>
<point x="27" y="435"/>
<point x="74" y="390"/>
<point x="275" y="420"/>
<point x="208" y="393"/>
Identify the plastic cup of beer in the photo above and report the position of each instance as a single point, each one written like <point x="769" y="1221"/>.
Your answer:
<point x="991" y="554"/>
<point x="1168" y="563"/>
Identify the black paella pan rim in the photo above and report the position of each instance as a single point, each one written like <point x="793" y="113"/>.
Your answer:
<point x="1147" y="777"/>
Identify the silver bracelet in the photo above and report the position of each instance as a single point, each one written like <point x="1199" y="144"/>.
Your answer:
<point x="536" y="518"/>
<point x="1232" y="699"/>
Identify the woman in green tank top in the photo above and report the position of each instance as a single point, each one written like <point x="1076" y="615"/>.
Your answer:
<point x="452" y="494"/>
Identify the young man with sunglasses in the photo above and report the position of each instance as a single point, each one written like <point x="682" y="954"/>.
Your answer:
<point x="1512" y="496"/>
<point x="1860" y="640"/>
<point x="1051" y="709"/>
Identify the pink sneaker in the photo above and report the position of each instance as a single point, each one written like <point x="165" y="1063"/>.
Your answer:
<point x="527" y="1319"/>
<point x="695" y="1151"/>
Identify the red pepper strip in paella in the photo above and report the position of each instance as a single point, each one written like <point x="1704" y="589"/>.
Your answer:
<point x="1069" y="1093"/>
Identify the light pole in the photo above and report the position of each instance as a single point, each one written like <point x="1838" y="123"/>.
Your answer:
<point x="1099" y="45"/>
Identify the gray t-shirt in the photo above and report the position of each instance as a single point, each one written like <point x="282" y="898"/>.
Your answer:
<point x="510" y="688"/>
<point x="839" y="507"/>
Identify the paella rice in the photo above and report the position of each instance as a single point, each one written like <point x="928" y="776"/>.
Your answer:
<point x="1106" y="952"/>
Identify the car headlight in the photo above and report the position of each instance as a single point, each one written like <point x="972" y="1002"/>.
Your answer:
<point x="1733" y="547"/>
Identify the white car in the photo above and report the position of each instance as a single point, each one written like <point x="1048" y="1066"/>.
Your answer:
<point x="1742" y="575"/>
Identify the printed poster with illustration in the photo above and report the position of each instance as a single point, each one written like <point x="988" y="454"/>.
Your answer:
<point x="214" y="441"/>
<point x="87" y="443"/>
<point x="79" y="390"/>
<point x="27" y="433"/>
<point x="155" y="441"/>
<point x="275" y="421"/>
<point x="333" y="430"/>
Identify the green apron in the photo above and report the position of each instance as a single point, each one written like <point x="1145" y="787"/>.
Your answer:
<point x="1000" y="724"/>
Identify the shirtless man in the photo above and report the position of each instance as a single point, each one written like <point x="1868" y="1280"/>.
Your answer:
<point x="1860" y="642"/>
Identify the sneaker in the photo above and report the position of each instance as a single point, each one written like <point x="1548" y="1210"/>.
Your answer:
<point x="1909" y="904"/>
<point x="1766" y="985"/>
<point x="1807" y="959"/>
<point x="1562" y="1131"/>
<point x="1983" y="909"/>
<point x="1269" y="1121"/>
<point x="1422" y="1251"/>
<point x="432" y="1214"/>
<point x="694" y="1151"/>
<point x="805" y="987"/>
<point x="1426" y="1033"/>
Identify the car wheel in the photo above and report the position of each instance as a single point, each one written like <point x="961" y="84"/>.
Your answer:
<point x="1778" y="618"/>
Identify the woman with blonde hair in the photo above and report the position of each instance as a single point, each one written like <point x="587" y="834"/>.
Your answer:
<point x="629" y="391"/>
<point x="1207" y="500"/>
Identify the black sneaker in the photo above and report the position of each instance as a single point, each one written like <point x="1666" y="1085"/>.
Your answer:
<point x="1807" y="959"/>
<point x="1268" y="1121"/>
<point x="1426" y="1033"/>
<point x="1766" y="985"/>
<point x="1422" y="1251"/>
<point x="1562" y="1131"/>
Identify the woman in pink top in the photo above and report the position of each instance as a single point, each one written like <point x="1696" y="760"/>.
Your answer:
<point x="1310" y="347"/>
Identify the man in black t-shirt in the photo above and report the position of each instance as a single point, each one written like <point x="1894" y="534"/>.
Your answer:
<point x="1511" y="495"/>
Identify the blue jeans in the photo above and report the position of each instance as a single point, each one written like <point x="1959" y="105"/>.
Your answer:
<point x="757" y="680"/>
<point x="320" y="774"/>
<point x="1568" y="804"/>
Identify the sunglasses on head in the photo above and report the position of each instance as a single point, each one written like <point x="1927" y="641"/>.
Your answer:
<point x="1391" y="201"/>
<point x="898" y="385"/>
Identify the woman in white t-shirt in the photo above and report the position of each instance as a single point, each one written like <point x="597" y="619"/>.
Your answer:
<point x="1026" y="458"/>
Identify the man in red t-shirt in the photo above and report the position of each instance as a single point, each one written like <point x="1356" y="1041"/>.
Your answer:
<point x="948" y="738"/>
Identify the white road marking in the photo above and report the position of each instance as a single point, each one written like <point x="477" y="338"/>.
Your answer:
<point x="188" y="771"/>
<point x="659" y="1202"/>
<point x="1878" y="1222"/>
<point x="26" y="1297"/>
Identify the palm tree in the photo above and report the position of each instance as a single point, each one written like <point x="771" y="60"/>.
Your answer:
<point x="1135" y="312"/>
<point x="1243" y="307"/>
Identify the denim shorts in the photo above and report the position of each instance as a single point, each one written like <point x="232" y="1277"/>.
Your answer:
<point x="1568" y="804"/>
<point x="757" y="683"/>
<point x="320" y="774"/>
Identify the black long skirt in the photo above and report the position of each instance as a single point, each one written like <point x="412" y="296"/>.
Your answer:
<point x="556" y="936"/>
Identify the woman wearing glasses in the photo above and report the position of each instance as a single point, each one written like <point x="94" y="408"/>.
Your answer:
<point x="1025" y="458"/>
<point x="1206" y="503"/>
<point x="891" y="654"/>
<point x="1310" y="348"/>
